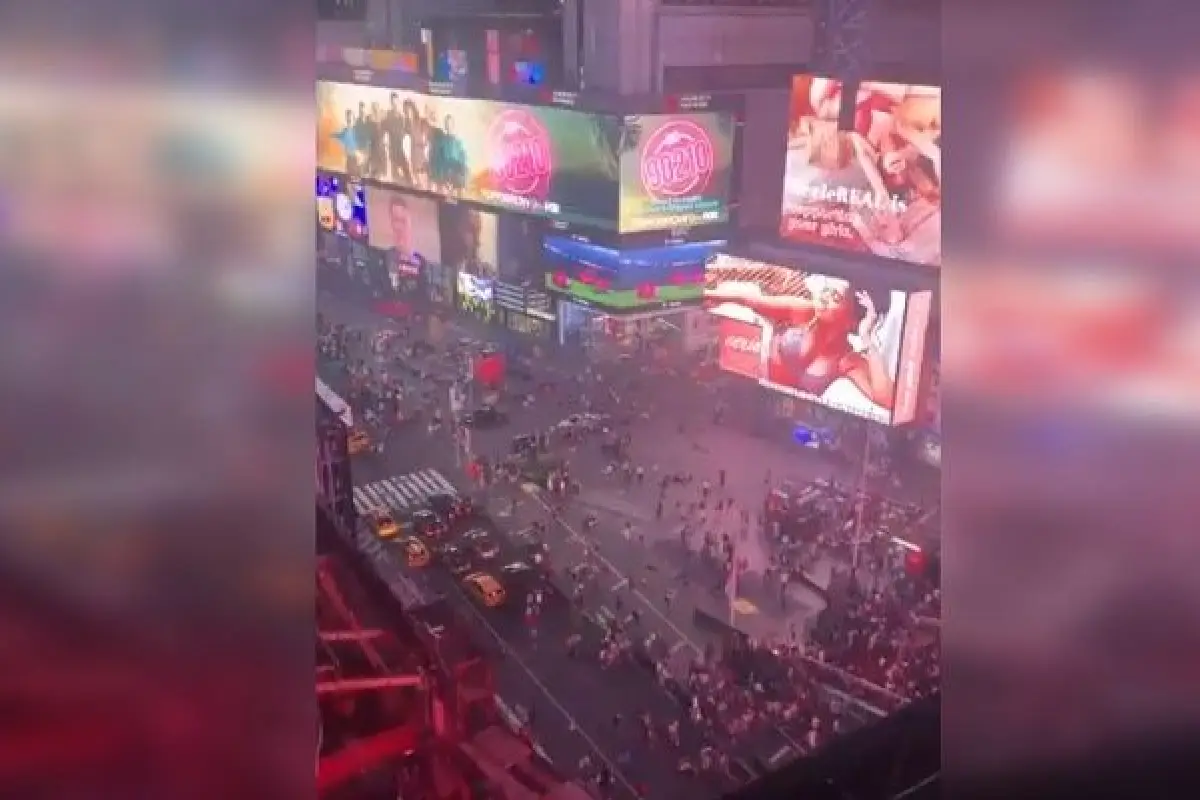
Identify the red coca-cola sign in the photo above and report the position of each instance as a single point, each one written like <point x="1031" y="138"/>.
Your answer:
<point x="740" y="348"/>
<point x="677" y="161"/>
<point x="744" y="344"/>
<point x="521" y="157"/>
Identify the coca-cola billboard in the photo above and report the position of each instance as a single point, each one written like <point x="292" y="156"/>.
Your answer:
<point x="740" y="349"/>
<point x="743" y="344"/>
<point x="856" y="348"/>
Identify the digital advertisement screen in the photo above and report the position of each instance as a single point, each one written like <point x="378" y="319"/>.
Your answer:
<point x="853" y="348"/>
<point x="676" y="170"/>
<point x="341" y="206"/>
<point x="406" y="227"/>
<point x="548" y="161"/>
<point x="476" y="294"/>
<point x="875" y="188"/>
<point x="520" y="248"/>
<point x="469" y="247"/>
<point x="627" y="280"/>
<point x="468" y="239"/>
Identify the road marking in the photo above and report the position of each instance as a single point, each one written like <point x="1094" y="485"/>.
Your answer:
<point x="401" y="491"/>
<point x="575" y="726"/>
<point x="684" y="640"/>
<point x="605" y="616"/>
<point x="516" y="725"/>
<point x="574" y="534"/>
<point x="621" y="584"/>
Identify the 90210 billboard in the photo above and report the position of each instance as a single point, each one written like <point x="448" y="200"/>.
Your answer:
<point x="621" y="173"/>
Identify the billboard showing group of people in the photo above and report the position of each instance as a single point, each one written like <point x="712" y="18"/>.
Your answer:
<point x="854" y="348"/>
<point x="632" y="173"/>
<point x="873" y="186"/>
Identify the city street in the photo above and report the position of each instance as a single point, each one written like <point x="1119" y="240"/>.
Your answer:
<point x="650" y="572"/>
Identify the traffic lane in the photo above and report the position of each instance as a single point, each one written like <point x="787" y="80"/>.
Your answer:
<point x="623" y="688"/>
<point x="635" y="583"/>
<point x="519" y="682"/>
<point x="761" y="741"/>
<point x="674" y="621"/>
<point x="670" y="592"/>
<point x="588" y="694"/>
<point x="595" y="694"/>
<point x="678" y="581"/>
<point x="591" y="694"/>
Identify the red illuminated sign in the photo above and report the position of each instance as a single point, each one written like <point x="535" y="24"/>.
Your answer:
<point x="740" y="349"/>
<point x="521" y="151"/>
<point x="677" y="161"/>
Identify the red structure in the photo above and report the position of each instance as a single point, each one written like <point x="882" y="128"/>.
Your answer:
<point x="408" y="706"/>
<point x="490" y="370"/>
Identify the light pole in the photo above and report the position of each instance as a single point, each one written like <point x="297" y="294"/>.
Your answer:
<point x="860" y="501"/>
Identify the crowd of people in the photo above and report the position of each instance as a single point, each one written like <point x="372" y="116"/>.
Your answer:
<point x="884" y="603"/>
<point x="875" y="644"/>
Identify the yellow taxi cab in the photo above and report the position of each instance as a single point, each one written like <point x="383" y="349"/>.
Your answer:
<point x="385" y="524"/>
<point x="486" y="589"/>
<point x="416" y="554"/>
<point x="358" y="441"/>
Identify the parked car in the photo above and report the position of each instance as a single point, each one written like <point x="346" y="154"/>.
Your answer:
<point x="485" y="417"/>
<point x="481" y="544"/>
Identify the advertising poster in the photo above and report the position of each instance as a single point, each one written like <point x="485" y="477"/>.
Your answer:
<point x="552" y="162"/>
<point x="817" y="337"/>
<point x="406" y="229"/>
<point x="875" y="188"/>
<point x="676" y="171"/>
<point x="520" y="249"/>
<point x="469" y="248"/>
<point x="521" y="289"/>
<point x="627" y="280"/>
<point x="341" y="206"/>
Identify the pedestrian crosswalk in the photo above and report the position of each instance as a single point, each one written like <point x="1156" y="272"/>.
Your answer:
<point x="401" y="491"/>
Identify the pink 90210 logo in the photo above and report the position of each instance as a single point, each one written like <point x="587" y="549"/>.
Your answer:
<point x="677" y="161"/>
<point x="521" y="158"/>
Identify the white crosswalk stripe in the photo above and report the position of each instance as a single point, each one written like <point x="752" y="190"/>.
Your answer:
<point x="401" y="491"/>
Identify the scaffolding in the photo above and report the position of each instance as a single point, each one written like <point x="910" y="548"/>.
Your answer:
<point x="373" y="690"/>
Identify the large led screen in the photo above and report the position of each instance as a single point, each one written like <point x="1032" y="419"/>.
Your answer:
<point x="469" y="247"/>
<point x="854" y="348"/>
<point x="627" y="280"/>
<point x="553" y="162"/>
<point x="406" y="228"/>
<point x="875" y="188"/>
<point x="341" y="206"/>
<point x="676" y="171"/>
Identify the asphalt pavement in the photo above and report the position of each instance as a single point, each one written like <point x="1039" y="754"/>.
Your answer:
<point x="574" y="700"/>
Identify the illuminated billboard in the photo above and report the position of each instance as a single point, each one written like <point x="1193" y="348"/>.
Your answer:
<point x="627" y="280"/>
<point x="875" y="188"/>
<point x="406" y="228"/>
<point x="854" y="348"/>
<point x="341" y="206"/>
<point x="469" y="248"/>
<point x="554" y="162"/>
<point x="676" y="171"/>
